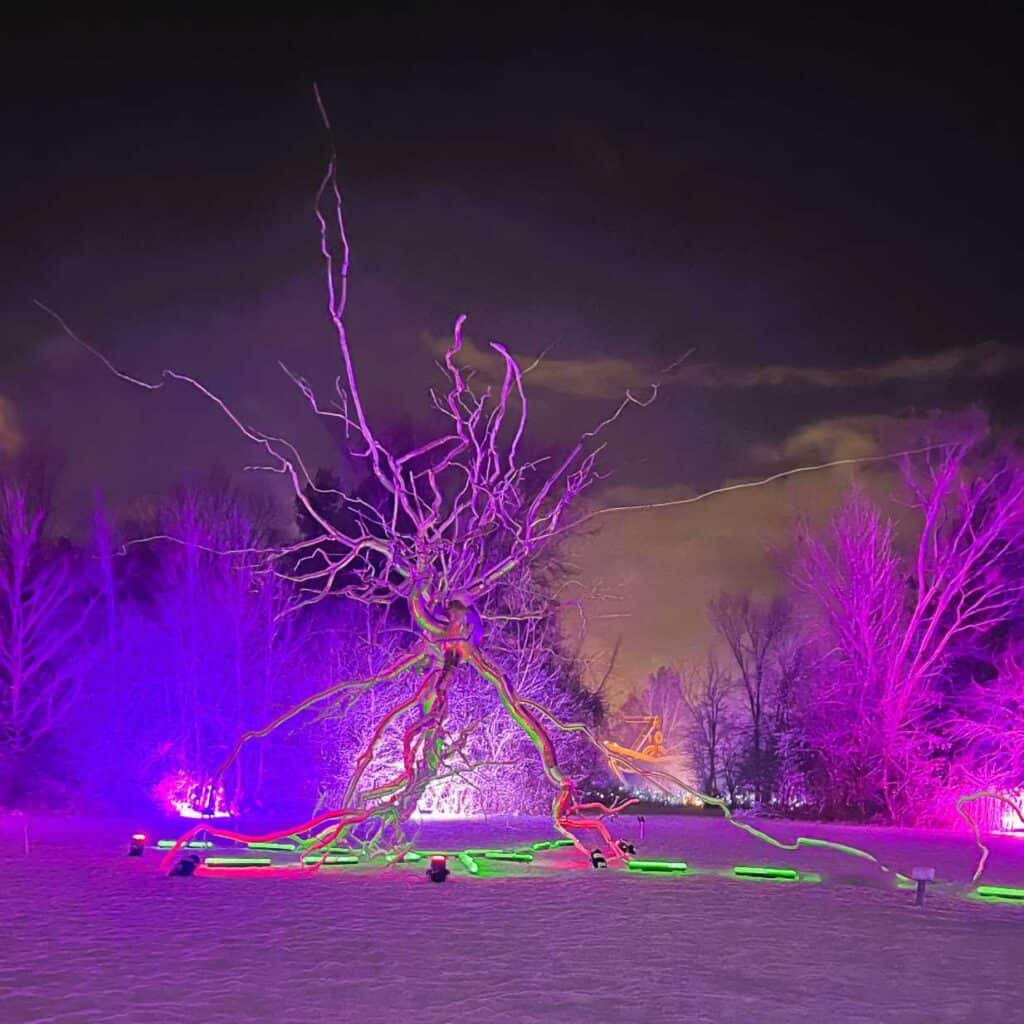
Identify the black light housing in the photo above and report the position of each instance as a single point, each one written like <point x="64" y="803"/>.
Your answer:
<point x="186" y="867"/>
<point x="138" y="845"/>
<point x="438" y="870"/>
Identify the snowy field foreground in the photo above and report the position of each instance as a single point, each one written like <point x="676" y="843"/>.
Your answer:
<point x="92" y="935"/>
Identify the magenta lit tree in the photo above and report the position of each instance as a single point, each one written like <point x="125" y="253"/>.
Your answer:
<point x="989" y="724"/>
<point x="887" y="624"/>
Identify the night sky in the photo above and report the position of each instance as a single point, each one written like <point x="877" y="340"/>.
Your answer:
<point x="826" y="210"/>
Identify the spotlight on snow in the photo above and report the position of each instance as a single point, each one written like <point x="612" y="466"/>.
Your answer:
<point x="438" y="870"/>
<point x="189" y="797"/>
<point x="138" y="845"/>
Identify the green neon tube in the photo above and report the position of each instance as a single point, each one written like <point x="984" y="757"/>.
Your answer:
<point x="238" y="862"/>
<point x="758" y="872"/>
<point x="471" y="864"/>
<point x="196" y="844"/>
<point x="998" y="892"/>
<point x="288" y="847"/>
<point x="657" y="865"/>
<point x="502" y="855"/>
<point x="330" y="858"/>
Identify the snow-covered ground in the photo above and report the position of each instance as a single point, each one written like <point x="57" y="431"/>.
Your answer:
<point x="92" y="935"/>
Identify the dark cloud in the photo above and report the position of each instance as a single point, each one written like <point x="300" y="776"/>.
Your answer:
<point x="609" y="194"/>
<point x="984" y="362"/>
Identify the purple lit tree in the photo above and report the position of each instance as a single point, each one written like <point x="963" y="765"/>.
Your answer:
<point x="190" y="644"/>
<point x="45" y="604"/>
<point x="887" y="626"/>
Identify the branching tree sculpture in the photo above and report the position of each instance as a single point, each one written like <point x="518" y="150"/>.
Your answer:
<point x="464" y="515"/>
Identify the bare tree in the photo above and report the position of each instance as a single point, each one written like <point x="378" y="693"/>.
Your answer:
<point x="44" y="607"/>
<point x="708" y="698"/>
<point x="988" y="723"/>
<point x="755" y="636"/>
<point x="887" y="626"/>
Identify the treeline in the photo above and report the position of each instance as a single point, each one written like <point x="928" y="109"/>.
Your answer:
<point x="888" y="679"/>
<point x="130" y="665"/>
<point x="885" y="680"/>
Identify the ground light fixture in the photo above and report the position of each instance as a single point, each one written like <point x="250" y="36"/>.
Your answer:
<point x="137" y="845"/>
<point x="922" y="876"/>
<point x="186" y="867"/>
<point x="438" y="870"/>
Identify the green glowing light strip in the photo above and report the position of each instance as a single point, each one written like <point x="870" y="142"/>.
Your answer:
<point x="998" y="892"/>
<point x="331" y="858"/>
<point x="556" y="843"/>
<point x="238" y="862"/>
<point x="412" y="855"/>
<point x="545" y="845"/>
<point x="483" y="851"/>
<point x="757" y="872"/>
<point x="657" y="865"/>
<point x="288" y="847"/>
<point x="196" y="844"/>
<point x="502" y="855"/>
<point x="470" y="864"/>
